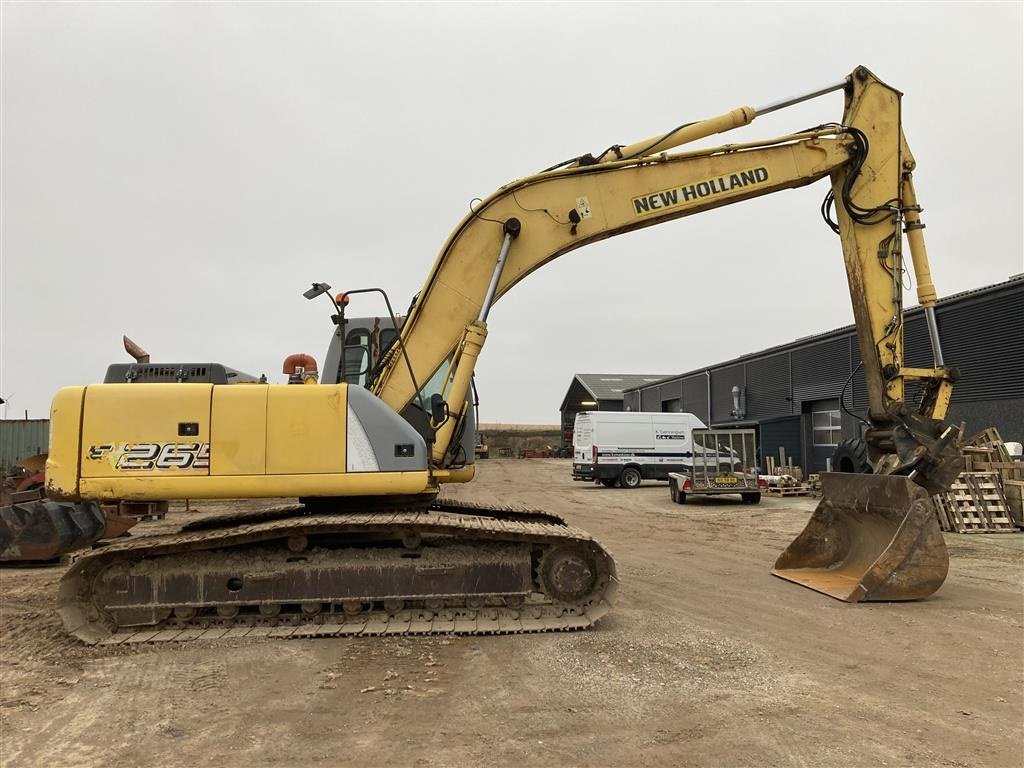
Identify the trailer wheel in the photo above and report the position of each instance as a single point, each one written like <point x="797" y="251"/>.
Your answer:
<point x="630" y="478"/>
<point x="678" y="496"/>
<point x="751" y="498"/>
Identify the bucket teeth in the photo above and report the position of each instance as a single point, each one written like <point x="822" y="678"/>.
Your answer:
<point x="871" y="537"/>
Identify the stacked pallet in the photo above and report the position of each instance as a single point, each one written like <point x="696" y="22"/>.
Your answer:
<point x="986" y="452"/>
<point x="974" y="504"/>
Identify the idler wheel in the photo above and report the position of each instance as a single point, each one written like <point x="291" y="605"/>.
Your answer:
<point x="568" y="574"/>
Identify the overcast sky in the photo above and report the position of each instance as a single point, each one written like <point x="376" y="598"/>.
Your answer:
<point x="180" y="172"/>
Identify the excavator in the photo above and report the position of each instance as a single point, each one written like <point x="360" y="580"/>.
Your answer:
<point x="371" y="547"/>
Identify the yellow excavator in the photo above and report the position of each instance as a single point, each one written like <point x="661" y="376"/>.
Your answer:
<point x="370" y="548"/>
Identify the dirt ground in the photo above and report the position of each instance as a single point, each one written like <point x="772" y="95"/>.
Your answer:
<point x="706" y="660"/>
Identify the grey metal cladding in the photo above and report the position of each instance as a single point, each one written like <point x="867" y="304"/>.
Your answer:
<point x="982" y="334"/>
<point x="722" y="382"/>
<point x="820" y="370"/>
<point x="385" y="429"/>
<point x="695" y="396"/>
<point x="671" y="390"/>
<point x="985" y="340"/>
<point x="654" y="397"/>
<point x="650" y="399"/>
<point x="784" y="432"/>
<point x="857" y="394"/>
<point x="917" y="347"/>
<point x="21" y="438"/>
<point x="768" y="387"/>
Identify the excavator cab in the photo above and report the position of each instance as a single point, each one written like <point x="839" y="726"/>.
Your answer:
<point x="366" y="341"/>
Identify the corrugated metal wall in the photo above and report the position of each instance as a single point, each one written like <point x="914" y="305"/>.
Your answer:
<point x="982" y="335"/>
<point x="650" y="399"/>
<point x="821" y="369"/>
<point x="858" y="400"/>
<point x="785" y="433"/>
<point x="986" y="342"/>
<point x="722" y="382"/>
<point x="770" y="395"/>
<point x="695" y="396"/>
<point x="21" y="438"/>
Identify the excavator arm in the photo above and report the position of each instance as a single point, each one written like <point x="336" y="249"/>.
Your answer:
<point x="534" y="220"/>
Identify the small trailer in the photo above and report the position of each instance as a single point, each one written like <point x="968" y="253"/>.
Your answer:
<point x="725" y="461"/>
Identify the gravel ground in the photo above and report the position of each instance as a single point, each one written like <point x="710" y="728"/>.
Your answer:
<point x="706" y="660"/>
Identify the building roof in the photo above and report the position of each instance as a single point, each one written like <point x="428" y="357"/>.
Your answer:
<point x="1013" y="281"/>
<point x="610" y="386"/>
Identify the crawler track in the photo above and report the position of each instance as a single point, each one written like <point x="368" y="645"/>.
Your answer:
<point x="446" y="568"/>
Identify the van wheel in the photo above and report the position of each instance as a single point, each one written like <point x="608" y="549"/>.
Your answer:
<point x="608" y="483"/>
<point x="751" y="498"/>
<point x="630" y="478"/>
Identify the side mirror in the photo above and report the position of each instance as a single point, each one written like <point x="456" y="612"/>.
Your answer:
<point x="438" y="410"/>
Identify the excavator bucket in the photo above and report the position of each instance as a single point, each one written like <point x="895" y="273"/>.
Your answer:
<point x="872" y="537"/>
<point x="37" y="531"/>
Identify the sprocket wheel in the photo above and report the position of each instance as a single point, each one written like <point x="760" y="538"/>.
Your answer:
<point x="568" y="574"/>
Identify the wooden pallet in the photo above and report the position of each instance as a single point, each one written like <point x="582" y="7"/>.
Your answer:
<point x="974" y="504"/>
<point x="986" y="452"/>
<point x="789" y="490"/>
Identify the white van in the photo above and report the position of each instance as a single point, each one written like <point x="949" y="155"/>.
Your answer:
<point x="626" y="447"/>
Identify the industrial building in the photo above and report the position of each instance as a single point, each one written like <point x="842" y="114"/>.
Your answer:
<point x="791" y="393"/>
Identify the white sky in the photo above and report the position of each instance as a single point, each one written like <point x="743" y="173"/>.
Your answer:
<point x="182" y="172"/>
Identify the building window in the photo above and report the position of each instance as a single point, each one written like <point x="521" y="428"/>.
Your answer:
<point x="827" y="427"/>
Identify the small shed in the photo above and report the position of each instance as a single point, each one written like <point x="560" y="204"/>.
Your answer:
<point x="21" y="438"/>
